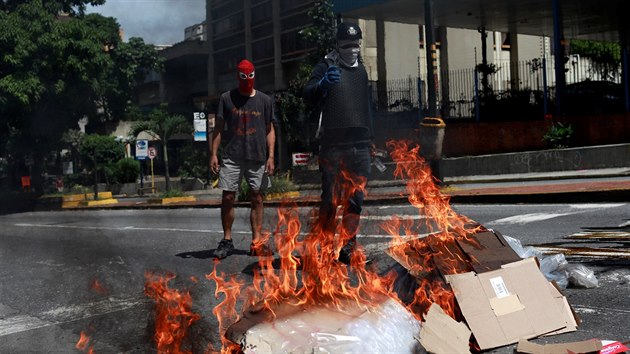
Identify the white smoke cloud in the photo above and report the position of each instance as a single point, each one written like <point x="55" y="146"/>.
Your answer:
<point x="156" y="21"/>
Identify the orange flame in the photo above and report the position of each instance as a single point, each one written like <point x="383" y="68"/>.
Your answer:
<point x="173" y="315"/>
<point x="97" y="287"/>
<point x="83" y="343"/>
<point x="323" y="280"/>
<point x="421" y="256"/>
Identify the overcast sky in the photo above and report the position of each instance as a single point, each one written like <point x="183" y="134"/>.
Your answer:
<point x="156" y="21"/>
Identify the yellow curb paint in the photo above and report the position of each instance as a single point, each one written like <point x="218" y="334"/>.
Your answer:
<point x="86" y="196"/>
<point x="284" y="195"/>
<point x="73" y="198"/>
<point x="99" y="202"/>
<point x="171" y="200"/>
<point x="71" y="204"/>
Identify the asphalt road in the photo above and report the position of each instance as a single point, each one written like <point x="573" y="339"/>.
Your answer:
<point x="66" y="272"/>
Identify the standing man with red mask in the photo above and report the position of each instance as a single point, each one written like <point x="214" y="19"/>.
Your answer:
<point x="247" y="117"/>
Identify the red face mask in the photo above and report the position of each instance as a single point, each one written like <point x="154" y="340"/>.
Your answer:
<point x="246" y="75"/>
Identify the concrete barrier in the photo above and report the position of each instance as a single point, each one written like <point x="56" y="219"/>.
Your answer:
<point x="570" y="159"/>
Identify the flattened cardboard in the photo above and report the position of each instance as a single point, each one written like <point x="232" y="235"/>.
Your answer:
<point x="570" y="317"/>
<point x="587" y="346"/>
<point x="540" y="313"/>
<point x="442" y="334"/>
<point x="491" y="252"/>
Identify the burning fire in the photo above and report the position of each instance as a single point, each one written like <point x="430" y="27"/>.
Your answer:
<point x="173" y="315"/>
<point x="323" y="280"/>
<point x="83" y="343"/>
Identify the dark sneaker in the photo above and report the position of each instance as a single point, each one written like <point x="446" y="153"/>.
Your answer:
<point x="224" y="249"/>
<point x="261" y="250"/>
<point x="346" y="251"/>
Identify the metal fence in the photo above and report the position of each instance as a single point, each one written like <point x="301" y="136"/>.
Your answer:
<point x="459" y="90"/>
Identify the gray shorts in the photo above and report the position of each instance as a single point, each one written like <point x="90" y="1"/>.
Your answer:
<point x="232" y="172"/>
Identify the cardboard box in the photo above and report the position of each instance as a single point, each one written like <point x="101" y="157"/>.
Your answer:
<point x="440" y="334"/>
<point x="508" y="304"/>
<point x="488" y="251"/>
<point x="587" y="346"/>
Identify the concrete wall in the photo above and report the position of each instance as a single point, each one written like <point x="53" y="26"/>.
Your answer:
<point x="462" y="44"/>
<point x="530" y="47"/>
<point x="369" y="48"/>
<point x="593" y="157"/>
<point x="401" y="50"/>
<point x="464" y="139"/>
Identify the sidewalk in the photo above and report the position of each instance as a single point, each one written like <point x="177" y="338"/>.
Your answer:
<point x="583" y="186"/>
<point x="572" y="175"/>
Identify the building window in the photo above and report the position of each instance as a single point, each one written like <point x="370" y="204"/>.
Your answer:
<point x="299" y="20"/>
<point x="228" y="8"/>
<point x="293" y="42"/>
<point x="231" y="41"/>
<point x="227" y="60"/>
<point x="261" y="13"/>
<point x="262" y="49"/>
<point x="261" y="31"/>
<point x="234" y="22"/>
<point x="289" y="5"/>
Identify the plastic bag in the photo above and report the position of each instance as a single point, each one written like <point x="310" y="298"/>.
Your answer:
<point x="581" y="276"/>
<point x="553" y="266"/>
<point x="523" y="252"/>
<point x="553" y="263"/>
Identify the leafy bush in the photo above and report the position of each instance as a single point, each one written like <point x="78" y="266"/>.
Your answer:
<point x="101" y="152"/>
<point x="559" y="135"/>
<point x="172" y="193"/>
<point x="76" y="180"/>
<point x="127" y="170"/>
<point x="195" y="165"/>
<point x="279" y="184"/>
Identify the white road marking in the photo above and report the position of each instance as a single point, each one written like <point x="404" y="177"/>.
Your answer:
<point x="392" y="217"/>
<point x="64" y="314"/>
<point x="527" y="218"/>
<point x="595" y="206"/>
<point x="208" y="231"/>
<point x="590" y="309"/>
<point x="534" y="217"/>
<point x="119" y="228"/>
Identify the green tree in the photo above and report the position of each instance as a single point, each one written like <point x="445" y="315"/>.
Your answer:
<point x="320" y="35"/>
<point x="72" y="140"/>
<point x="162" y="126"/>
<point x="57" y="69"/>
<point x="606" y="56"/>
<point x="99" y="153"/>
<point x="55" y="6"/>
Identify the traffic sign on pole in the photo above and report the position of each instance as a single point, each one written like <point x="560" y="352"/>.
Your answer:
<point x="152" y="153"/>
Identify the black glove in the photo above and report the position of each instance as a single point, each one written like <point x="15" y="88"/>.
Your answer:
<point x="331" y="77"/>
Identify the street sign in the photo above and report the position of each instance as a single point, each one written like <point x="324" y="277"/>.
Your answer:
<point x="152" y="153"/>
<point x="142" y="149"/>
<point x="200" y="124"/>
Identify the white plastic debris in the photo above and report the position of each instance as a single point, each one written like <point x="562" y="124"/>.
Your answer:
<point x="582" y="277"/>
<point x="556" y="268"/>
<point x="386" y="328"/>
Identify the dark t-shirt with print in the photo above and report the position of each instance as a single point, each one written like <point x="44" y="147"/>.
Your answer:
<point x="246" y="119"/>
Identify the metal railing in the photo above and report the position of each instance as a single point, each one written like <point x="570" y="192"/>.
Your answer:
<point x="529" y="82"/>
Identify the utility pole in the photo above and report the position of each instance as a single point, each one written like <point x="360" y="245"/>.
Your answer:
<point x="432" y="71"/>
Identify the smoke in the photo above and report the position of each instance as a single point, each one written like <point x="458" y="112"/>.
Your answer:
<point x="155" y="21"/>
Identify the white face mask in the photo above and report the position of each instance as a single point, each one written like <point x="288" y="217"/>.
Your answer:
<point x="349" y="51"/>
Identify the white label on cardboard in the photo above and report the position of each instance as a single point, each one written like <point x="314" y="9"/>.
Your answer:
<point x="499" y="287"/>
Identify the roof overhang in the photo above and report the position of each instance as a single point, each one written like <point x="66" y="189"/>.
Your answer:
<point x="585" y="19"/>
